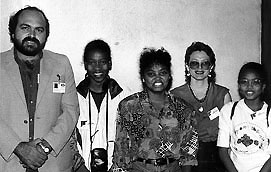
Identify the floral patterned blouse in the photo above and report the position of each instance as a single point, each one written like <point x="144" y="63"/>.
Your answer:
<point x="144" y="133"/>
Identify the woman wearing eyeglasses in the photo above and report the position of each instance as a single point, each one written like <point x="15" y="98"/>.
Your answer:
<point x="244" y="126"/>
<point x="207" y="98"/>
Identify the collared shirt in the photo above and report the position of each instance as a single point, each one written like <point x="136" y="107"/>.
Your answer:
<point x="30" y="78"/>
<point x="142" y="132"/>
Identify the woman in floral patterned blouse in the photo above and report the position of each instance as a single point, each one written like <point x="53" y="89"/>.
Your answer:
<point x="155" y="130"/>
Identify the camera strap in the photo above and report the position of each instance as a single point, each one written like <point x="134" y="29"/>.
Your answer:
<point x="106" y="121"/>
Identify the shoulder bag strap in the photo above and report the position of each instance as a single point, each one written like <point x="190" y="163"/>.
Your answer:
<point x="267" y="114"/>
<point x="233" y="108"/>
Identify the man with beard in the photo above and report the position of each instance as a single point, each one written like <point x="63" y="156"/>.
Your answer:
<point x="39" y="105"/>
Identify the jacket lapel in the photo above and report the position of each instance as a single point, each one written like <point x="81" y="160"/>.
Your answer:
<point x="47" y="66"/>
<point x="13" y="72"/>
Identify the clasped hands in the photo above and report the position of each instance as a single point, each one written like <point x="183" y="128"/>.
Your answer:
<point x="31" y="154"/>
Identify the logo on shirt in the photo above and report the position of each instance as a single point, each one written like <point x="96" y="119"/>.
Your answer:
<point x="249" y="138"/>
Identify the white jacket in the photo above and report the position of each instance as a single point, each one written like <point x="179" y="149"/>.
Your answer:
<point x="98" y="122"/>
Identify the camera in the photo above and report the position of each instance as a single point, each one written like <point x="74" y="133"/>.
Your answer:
<point x="99" y="161"/>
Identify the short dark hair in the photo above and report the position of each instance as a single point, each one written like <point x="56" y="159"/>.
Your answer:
<point x="97" y="45"/>
<point x="257" y="69"/>
<point x="200" y="46"/>
<point x="13" y="20"/>
<point x="254" y="67"/>
<point x="152" y="56"/>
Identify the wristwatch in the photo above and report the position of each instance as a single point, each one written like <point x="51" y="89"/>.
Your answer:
<point x="45" y="149"/>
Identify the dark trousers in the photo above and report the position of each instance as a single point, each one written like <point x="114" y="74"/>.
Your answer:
<point x="208" y="158"/>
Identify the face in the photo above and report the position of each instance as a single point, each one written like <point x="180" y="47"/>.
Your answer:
<point x="156" y="78"/>
<point x="30" y="33"/>
<point x="199" y="65"/>
<point x="97" y="66"/>
<point x="250" y="86"/>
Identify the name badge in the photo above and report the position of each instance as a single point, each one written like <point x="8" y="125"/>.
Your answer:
<point x="59" y="87"/>
<point x="213" y="113"/>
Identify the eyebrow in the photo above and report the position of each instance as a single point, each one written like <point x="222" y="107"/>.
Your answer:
<point x="104" y="59"/>
<point x="150" y="69"/>
<point x="25" y="24"/>
<point x="250" y="79"/>
<point x="200" y="61"/>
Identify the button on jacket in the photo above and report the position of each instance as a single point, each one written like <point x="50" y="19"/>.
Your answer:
<point x="56" y="114"/>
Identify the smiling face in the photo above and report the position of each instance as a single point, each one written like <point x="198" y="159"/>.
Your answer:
<point x="30" y="33"/>
<point x="98" y="66"/>
<point x="199" y="65"/>
<point x="250" y="86"/>
<point x="156" y="78"/>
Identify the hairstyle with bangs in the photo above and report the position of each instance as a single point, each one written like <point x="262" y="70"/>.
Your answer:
<point x="199" y="46"/>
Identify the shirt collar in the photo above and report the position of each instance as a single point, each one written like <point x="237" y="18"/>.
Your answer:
<point x="22" y="64"/>
<point x="259" y="112"/>
<point x="112" y="85"/>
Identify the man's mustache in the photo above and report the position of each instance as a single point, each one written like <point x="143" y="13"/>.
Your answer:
<point x="33" y="39"/>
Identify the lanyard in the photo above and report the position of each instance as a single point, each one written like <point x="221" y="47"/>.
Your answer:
<point x="106" y="119"/>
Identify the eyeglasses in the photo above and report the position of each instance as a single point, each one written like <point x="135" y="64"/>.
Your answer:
<point x="253" y="82"/>
<point x="196" y="65"/>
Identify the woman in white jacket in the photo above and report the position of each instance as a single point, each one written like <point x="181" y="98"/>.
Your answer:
<point x="99" y="96"/>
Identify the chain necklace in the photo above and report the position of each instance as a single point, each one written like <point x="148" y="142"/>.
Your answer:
<point x="200" y="109"/>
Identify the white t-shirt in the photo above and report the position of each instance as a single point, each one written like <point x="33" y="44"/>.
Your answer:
<point x="247" y="136"/>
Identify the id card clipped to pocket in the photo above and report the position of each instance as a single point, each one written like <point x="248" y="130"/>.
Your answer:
<point x="59" y="87"/>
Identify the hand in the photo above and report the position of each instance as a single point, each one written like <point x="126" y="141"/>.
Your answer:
<point x="29" y="154"/>
<point x="46" y="144"/>
<point x="43" y="146"/>
<point x="98" y="162"/>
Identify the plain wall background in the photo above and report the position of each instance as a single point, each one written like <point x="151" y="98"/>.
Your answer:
<point x="230" y="27"/>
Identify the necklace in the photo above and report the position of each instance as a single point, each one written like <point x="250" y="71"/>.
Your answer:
<point x="201" y="108"/>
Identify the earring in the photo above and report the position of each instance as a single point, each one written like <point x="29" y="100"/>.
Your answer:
<point x="143" y="80"/>
<point x="188" y="74"/>
<point x="209" y="75"/>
